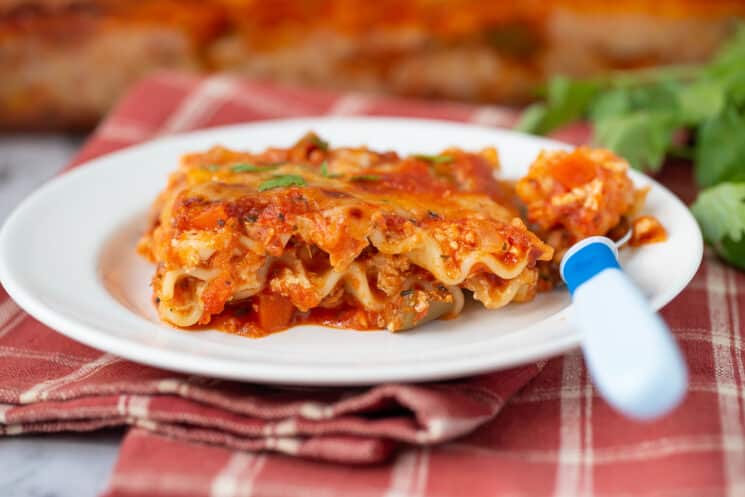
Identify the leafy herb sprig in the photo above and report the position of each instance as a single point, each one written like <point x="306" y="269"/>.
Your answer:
<point x="325" y="171"/>
<point x="366" y="177"/>
<point x="642" y="115"/>
<point x="251" y="168"/>
<point x="435" y="159"/>
<point x="282" y="181"/>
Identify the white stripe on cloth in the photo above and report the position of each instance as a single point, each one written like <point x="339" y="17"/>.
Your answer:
<point x="12" y="323"/>
<point x="172" y="385"/>
<point x="117" y="130"/>
<point x="315" y="411"/>
<point x="4" y="408"/>
<point x="493" y="116"/>
<point x="236" y="479"/>
<point x="589" y="449"/>
<point x="731" y="389"/>
<point x="286" y="427"/>
<point x="729" y="407"/>
<point x="271" y="105"/>
<point x="350" y="105"/>
<point x="138" y="406"/>
<point x="286" y="445"/>
<point x="200" y="104"/>
<point x="409" y="474"/>
<point x="8" y="309"/>
<point x="439" y="428"/>
<point x="159" y="483"/>
<point x="648" y="450"/>
<point x="570" y="441"/>
<point x="15" y="429"/>
<point x="40" y="391"/>
<point x="736" y="339"/>
<point x="55" y="357"/>
<point x="711" y="337"/>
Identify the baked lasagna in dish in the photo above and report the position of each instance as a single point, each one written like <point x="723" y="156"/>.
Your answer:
<point x="253" y="243"/>
<point x="487" y="51"/>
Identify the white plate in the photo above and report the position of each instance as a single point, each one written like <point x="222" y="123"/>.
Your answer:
<point x="67" y="257"/>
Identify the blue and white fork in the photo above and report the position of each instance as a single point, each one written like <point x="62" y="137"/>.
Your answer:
<point x="632" y="357"/>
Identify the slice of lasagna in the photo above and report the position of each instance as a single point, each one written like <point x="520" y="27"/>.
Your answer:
<point x="346" y="237"/>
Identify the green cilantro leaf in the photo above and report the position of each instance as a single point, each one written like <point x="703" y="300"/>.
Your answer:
<point x="701" y="101"/>
<point x="567" y="100"/>
<point x="720" y="211"/>
<point x="727" y="63"/>
<point x="720" y="150"/>
<point x="282" y="182"/>
<point x="325" y="171"/>
<point x="251" y="168"/>
<point x="365" y="177"/>
<point x="435" y="159"/>
<point x="611" y="103"/>
<point x="532" y="118"/>
<point x="642" y="138"/>
<point x="320" y="143"/>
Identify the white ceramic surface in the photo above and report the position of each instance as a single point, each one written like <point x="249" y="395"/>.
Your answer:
<point x="67" y="257"/>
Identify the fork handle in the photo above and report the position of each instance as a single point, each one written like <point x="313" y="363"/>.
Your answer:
<point x="631" y="354"/>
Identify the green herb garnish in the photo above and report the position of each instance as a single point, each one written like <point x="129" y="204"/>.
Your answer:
<point x="720" y="211"/>
<point x="318" y="142"/>
<point x="251" y="168"/>
<point x="435" y="159"/>
<point x="689" y="111"/>
<point x="282" y="182"/>
<point x="406" y="293"/>
<point x="325" y="171"/>
<point x="365" y="177"/>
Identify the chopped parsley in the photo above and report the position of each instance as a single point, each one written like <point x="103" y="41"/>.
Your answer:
<point x="318" y="142"/>
<point x="251" y="168"/>
<point x="282" y="182"/>
<point x="435" y="159"/>
<point x="405" y="293"/>
<point x="325" y="171"/>
<point x="365" y="177"/>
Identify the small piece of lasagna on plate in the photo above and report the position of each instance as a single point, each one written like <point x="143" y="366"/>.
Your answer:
<point x="353" y="238"/>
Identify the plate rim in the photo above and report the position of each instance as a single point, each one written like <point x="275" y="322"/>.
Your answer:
<point x="287" y="374"/>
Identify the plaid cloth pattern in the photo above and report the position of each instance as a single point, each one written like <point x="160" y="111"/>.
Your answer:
<point x="555" y="437"/>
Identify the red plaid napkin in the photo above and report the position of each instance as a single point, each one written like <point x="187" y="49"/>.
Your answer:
<point x="51" y="383"/>
<point x="555" y="437"/>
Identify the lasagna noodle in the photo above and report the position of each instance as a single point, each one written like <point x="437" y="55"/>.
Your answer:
<point x="389" y="242"/>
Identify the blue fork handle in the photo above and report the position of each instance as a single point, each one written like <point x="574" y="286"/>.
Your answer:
<point x="631" y="354"/>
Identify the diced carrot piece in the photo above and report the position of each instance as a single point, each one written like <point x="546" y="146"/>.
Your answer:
<point x="209" y="218"/>
<point x="275" y="311"/>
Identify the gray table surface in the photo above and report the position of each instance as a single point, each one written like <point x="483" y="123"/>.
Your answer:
<point x="64" y="465"/>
